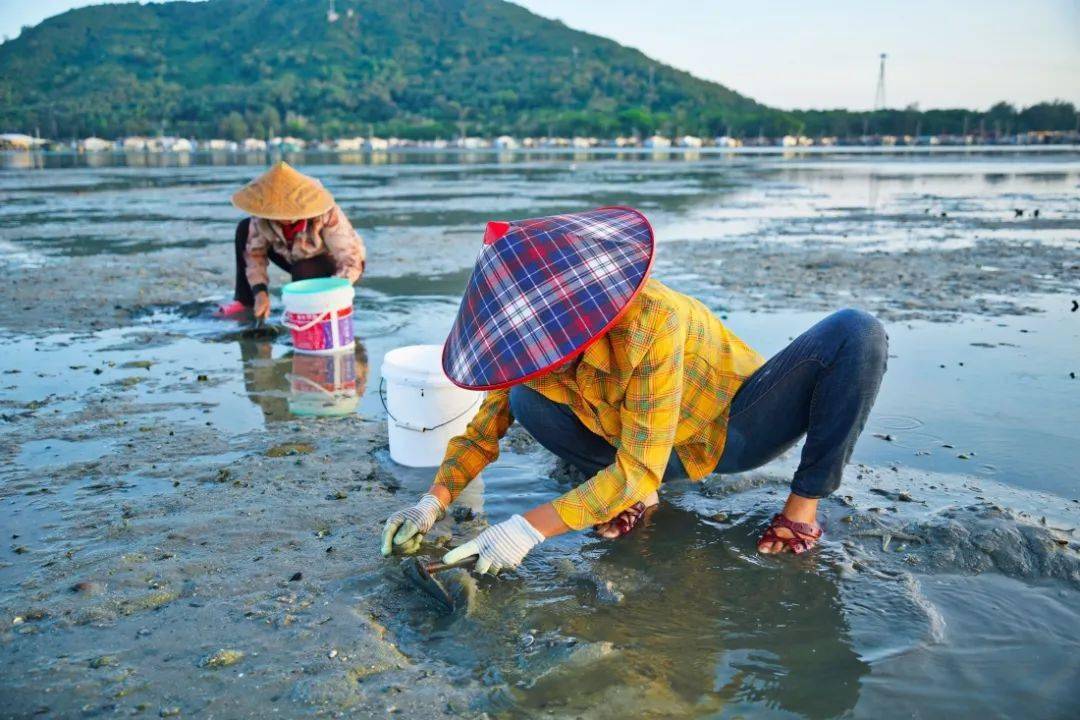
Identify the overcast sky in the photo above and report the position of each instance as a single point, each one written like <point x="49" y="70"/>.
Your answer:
<point x="798" y="54"/>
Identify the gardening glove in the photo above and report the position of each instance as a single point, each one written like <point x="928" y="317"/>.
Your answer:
<point x="404" y="530"/>
<point x="500" y="547"/>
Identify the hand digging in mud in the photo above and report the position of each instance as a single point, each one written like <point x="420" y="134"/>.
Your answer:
<point x="645" y="387"/>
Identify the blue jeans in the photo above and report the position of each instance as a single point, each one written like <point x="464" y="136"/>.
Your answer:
<point x="822" y="386"/>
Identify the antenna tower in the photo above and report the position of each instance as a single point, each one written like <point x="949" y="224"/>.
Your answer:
<point x="879" y="96"/>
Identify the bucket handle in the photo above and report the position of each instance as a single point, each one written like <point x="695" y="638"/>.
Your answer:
<point x="313" y="323"/>
<point x="308" y="381"/>
<point x="409" y="426"/>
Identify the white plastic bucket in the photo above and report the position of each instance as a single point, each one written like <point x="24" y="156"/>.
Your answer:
<point x="424" y="409"/>
<point x="319" y="312"/>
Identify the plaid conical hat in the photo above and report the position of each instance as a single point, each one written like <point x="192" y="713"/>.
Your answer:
<point x="542" y="291"/>
<point x="282" y="193"/>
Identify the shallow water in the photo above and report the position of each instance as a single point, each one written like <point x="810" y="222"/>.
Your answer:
<point x="942" y="573"/>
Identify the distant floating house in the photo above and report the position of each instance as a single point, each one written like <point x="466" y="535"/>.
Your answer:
<point x="583" y="142"/>
<point x="727" y="142"/>
<point x="689" y="141"/>
<point x="352" y="144"/>
<point x="219" y="145"/>
<point x="789" y="141"/>
<point x="18" y="141"/>
<point x="471" y="143"/>
<point x="287" y="144"/>
<point x="173" y="144"/>
<point x="135" y="143"/>
<point x="93" y="144"/>
<point x="626" y="142"/>
<point x="251" y="145"/>
<point x="505" y="142"/>
<point x="657" y="142"/>
<point x="376" y="144"/>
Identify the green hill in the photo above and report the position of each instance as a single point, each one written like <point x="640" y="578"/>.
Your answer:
<point x="416" y="68"/>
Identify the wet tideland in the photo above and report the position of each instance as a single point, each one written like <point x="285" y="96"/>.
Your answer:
<point x="192" y="510"/>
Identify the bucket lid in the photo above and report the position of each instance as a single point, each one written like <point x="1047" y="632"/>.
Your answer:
<point x="315" y="285"/>
<point x="416" y="363"/>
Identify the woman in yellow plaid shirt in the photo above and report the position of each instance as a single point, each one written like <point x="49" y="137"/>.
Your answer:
<point x="633" y="383"/>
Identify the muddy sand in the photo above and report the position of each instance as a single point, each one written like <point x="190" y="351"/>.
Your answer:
<point x="176" y="543"/>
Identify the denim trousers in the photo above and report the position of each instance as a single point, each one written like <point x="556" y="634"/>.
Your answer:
<point x="822" y="385"/>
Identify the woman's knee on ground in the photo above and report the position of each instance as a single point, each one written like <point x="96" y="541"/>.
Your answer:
<point x="864" y="335"/>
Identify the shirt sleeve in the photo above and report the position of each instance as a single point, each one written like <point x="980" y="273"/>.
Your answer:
<point x="345" y="245"/>
<point x="468" y="454"/>
<point x="255" y="254"/>
<point x="649" y="416"/>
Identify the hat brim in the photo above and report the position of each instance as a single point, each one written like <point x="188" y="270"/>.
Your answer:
<point x="644" y="271"/>
<point x="258" y="210"/>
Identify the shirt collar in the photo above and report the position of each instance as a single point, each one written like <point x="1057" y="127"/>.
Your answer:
<point x="599" y="354"/>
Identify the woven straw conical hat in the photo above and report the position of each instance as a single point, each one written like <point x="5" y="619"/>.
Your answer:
<point x="282" y="193"/>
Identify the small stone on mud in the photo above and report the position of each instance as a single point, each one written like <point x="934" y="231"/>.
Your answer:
<point x="202" y="378"/>
<point x="463" y="513"/>
<point x="608" y="594"/>
<point x="171" y="711"/>
<point x="297" y="576"/>
<point x="103" y="661"/>
<point x="287" y="449"/>
<point x="222" y="658"/>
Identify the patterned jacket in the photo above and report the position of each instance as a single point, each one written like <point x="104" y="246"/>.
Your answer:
<point x="330" y="233"/>
<point x="661" y="379"/>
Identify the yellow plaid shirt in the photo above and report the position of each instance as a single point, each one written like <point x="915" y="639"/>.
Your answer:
<point x="662" y="378"/>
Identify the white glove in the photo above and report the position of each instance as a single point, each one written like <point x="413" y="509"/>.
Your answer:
<point x="500" y="547"/>
<point x="405" y="529"/>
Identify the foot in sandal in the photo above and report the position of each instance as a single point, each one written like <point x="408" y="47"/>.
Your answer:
<point x="795" y="529"/>
<point x="628" y="519"/>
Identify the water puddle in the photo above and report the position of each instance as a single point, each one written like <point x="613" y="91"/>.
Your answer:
<point x="38" y="454"/>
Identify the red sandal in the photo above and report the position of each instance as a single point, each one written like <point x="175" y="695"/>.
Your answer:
<point x="805" y="535"/>
<point x="628" y="519"/>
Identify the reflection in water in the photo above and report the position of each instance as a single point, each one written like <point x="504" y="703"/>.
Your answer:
<point x="680" y="619"/>
<point x="297" y="384"/>
<point x="753" y="634"/>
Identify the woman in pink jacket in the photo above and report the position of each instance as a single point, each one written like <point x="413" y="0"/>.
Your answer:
<point x="296" y="225"/>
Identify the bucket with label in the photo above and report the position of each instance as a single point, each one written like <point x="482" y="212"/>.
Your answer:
<point x="319" y="313"/>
